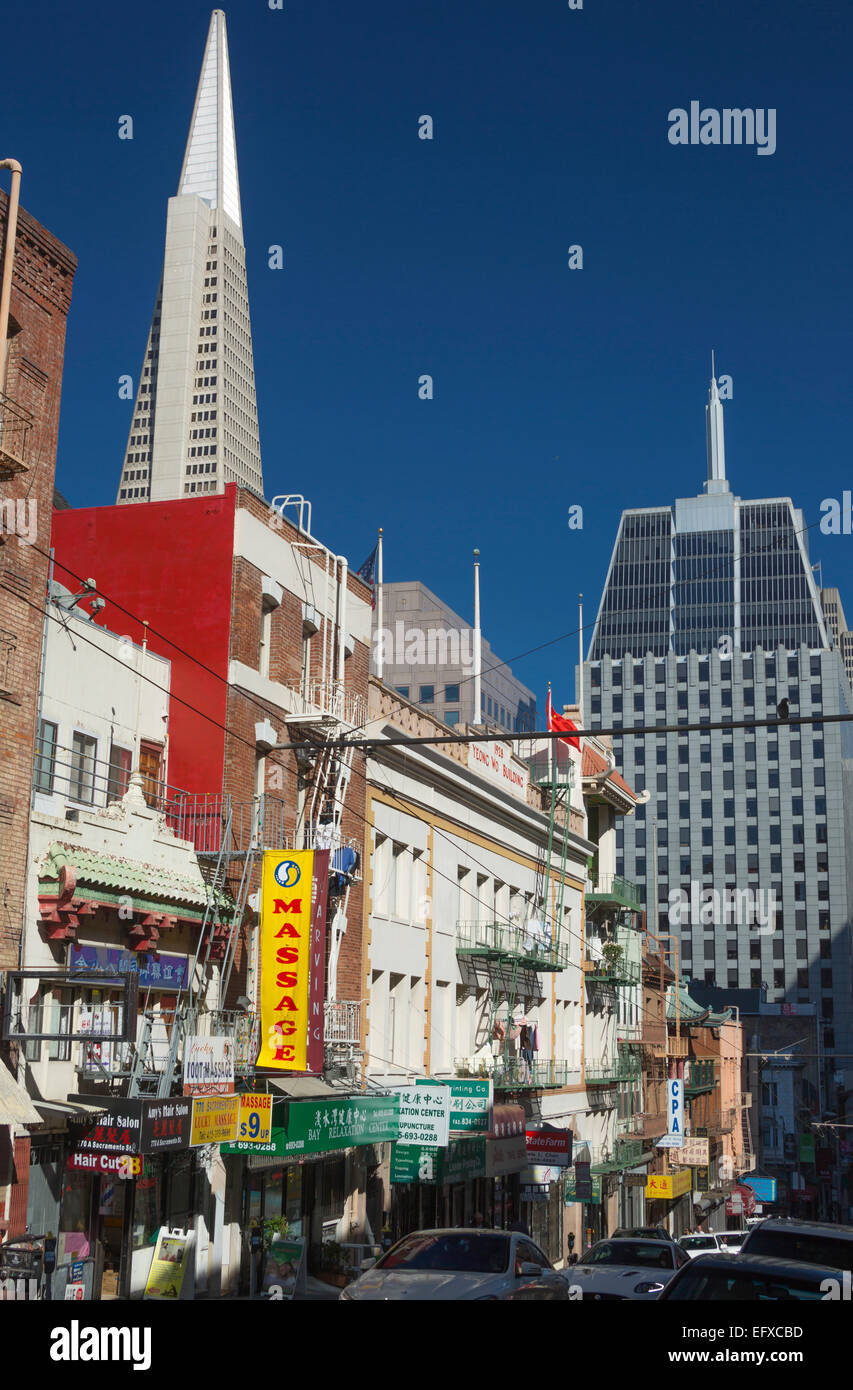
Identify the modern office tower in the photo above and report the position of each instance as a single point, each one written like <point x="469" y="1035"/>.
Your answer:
<point x="195" y="421"/>
<point x="833" y="610"/>
<point x="710" y="615"/>
<point x="428" y="656"/>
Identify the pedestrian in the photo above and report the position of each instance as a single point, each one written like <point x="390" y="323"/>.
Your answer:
<point x="477" y="1219"/>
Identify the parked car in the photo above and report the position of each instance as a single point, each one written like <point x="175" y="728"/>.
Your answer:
<point x="702" y="1244"/>
<point x="749" y="1279"/>
<point x="815" y="1242"/>
<point x="462" y="1265"/>
<point x="732" y="1241"/>
<point x="627" y="1269"/>
<point x="641" y="1233"/>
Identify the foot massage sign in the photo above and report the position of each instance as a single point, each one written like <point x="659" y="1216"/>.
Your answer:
<point x="293" y="950"/>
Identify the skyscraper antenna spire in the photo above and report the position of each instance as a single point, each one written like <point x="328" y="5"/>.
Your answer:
<point x="715" y="445"/>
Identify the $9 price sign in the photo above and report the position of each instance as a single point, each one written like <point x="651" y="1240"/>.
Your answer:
<point x="255" y="1119"/>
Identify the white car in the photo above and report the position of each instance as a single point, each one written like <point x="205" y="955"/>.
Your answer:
<point x="461" y="1265"/>
<point x="731" y="1241"/>
<point x="707" y="1243"/>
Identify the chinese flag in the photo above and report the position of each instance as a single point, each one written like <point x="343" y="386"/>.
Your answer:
<point x="557" y="723"/>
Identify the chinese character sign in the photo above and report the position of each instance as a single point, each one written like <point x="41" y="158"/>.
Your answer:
<point x="285" y="959"/>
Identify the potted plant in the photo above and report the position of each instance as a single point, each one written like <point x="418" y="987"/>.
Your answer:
<point x="611" y="955"/>
<point x="333" y="1264"/>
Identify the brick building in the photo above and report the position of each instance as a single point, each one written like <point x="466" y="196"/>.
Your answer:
<point x="30" y="385"/>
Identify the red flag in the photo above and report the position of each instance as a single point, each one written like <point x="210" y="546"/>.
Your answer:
<point x="558" y="724"/>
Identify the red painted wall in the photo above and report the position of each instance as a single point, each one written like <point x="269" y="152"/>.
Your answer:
<point x="169" y="563"/>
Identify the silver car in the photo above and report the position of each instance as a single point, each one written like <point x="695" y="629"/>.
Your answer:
<point x="468" y="1264"/>
<point x="627" y="1269"/>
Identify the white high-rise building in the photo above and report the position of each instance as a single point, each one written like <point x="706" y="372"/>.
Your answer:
<point x="195" y="421"/>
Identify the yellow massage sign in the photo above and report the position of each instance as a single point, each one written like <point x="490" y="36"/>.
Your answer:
<point x="285" y="958"/>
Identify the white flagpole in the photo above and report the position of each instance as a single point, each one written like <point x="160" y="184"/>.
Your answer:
<point x="580" y="661"/>
<point x="380" y="647"/>
<point x="478" y="716"/>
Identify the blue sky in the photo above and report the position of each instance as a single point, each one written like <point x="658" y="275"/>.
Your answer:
<point x="402" y="256"/>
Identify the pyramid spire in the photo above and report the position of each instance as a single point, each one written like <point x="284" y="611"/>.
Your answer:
<point x="210" y="159"/>
<point x="194" y="426"/>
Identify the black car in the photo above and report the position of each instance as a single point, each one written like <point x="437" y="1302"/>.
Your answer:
<point x="724" y="1278"/>
<point x="642" y="1233"/>
<point x="814" y="1242"/>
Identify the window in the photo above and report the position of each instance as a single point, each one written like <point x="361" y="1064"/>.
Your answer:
<point x="46" y="758"/>
<point x="451" y="694"/>
<point x="82" y="779"/>
<point x="121" y="760"/>
<point x="402" y="690"/>
<point x="150" y="755"/>
<point x="265" y="635"/>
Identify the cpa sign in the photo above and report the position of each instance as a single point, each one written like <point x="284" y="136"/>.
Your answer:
<point x="675" y="1107"/>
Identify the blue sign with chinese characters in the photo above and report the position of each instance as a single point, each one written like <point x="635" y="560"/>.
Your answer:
<point x="155" y="971"/>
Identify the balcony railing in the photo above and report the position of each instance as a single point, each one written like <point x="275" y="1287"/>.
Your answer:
<point x="343" y="1022"/>
<point x="501" y="941"/>
<point x="600" y="1071"/>
<point x="510" y="1074"/>
<point x="653" y="1036"/>
<point x="677" y="1047"/>
<point x="613" y="889"/>
<point x="702" y="1077"/>
<point x="616" y="970"/>
<point x="326" y="700"/>
<point x="15" y="429"/>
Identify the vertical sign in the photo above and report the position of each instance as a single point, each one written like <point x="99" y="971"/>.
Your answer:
<point x="675" y="1108"/>
<point x="316" y="1054"/>
<point x="286" y="931"/>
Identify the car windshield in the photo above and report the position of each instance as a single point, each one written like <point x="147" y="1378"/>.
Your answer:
<point x="721" y="1286"/>
<point x="474" y="1254"/>
<point x="731" y="1239"/>
<point x="698" y="1243"/>
<point x="629" y="1252"/>
<point x="811" y="1249"/>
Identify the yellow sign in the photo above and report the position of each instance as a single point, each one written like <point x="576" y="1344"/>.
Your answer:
<point x="666" y="1188"/>
<point x="255" y="1119"/>
<point x="285" y="958"/>
<point x="215" y="1120"/>
<point x="168" y="1266"/>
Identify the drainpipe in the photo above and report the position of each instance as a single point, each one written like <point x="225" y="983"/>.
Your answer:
<point x="8" y="258"/>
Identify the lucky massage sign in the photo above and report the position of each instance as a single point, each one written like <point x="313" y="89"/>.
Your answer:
<point x="293" y="945"/>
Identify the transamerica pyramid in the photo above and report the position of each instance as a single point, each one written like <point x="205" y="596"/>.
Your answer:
<point x="195" y="421"/>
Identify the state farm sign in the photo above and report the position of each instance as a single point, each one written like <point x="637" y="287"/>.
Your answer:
<point x="550" y="1147"/>
<point x="495" y="761"/>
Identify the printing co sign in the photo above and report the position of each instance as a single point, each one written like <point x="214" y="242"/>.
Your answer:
<point x="293" y="945"/>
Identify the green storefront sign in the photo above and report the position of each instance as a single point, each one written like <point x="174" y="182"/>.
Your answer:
<point x="807" y="1148"/>
<point x="571" y="1194"/>
<point x="461" y="1161"/>
<point x="471" y="1102"/>
<point x="317" y="1126"/>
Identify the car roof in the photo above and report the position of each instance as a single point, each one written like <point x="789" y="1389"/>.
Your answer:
<point x="812" y="1228"/>
<point x="463" y="1231"/>
<point x="633" y="1240"/>
<point x="763" y="1264"/>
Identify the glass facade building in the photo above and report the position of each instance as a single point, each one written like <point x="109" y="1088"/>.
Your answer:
<point x="710" y="615"/>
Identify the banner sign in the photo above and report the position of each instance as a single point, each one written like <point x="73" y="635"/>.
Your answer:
<point x="672" y="1185"/>
<point x="425" y="1116"/>
<point x="693" y="1153"/>
<point x="582" y="1182"/>
<point x="116" y="1132"/>
<point x="504" y="1156"/>
<point x="255" y="1121"/>
<point x="313" y="1127"/>
<point x="675" y="1106"/>
<point x="112" y="1165"/>
<point x="553" y="1147"/>
<point x="702" y="1179"/>
<point x="166" y="1125"/>
<point x="764" y="1188"/>
<point x="572" y="1194"/>
<point x="168" y="1265"/>
<point x="498" y="763"/>
<point x="470" y="1102"/>
<point x="215" y="1119"/>
<point x="285" y="946"/>
<point x="316" y="1050"/>
<point x="155" y="972"/>
<point x="208" y="1066"/>
<point x="462" y="1161"/>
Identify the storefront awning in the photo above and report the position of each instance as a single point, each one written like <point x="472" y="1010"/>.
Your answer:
<point x="65" y="1108"/>
<point x="16" y="1107"/>
<point x="306" y="1088"/>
